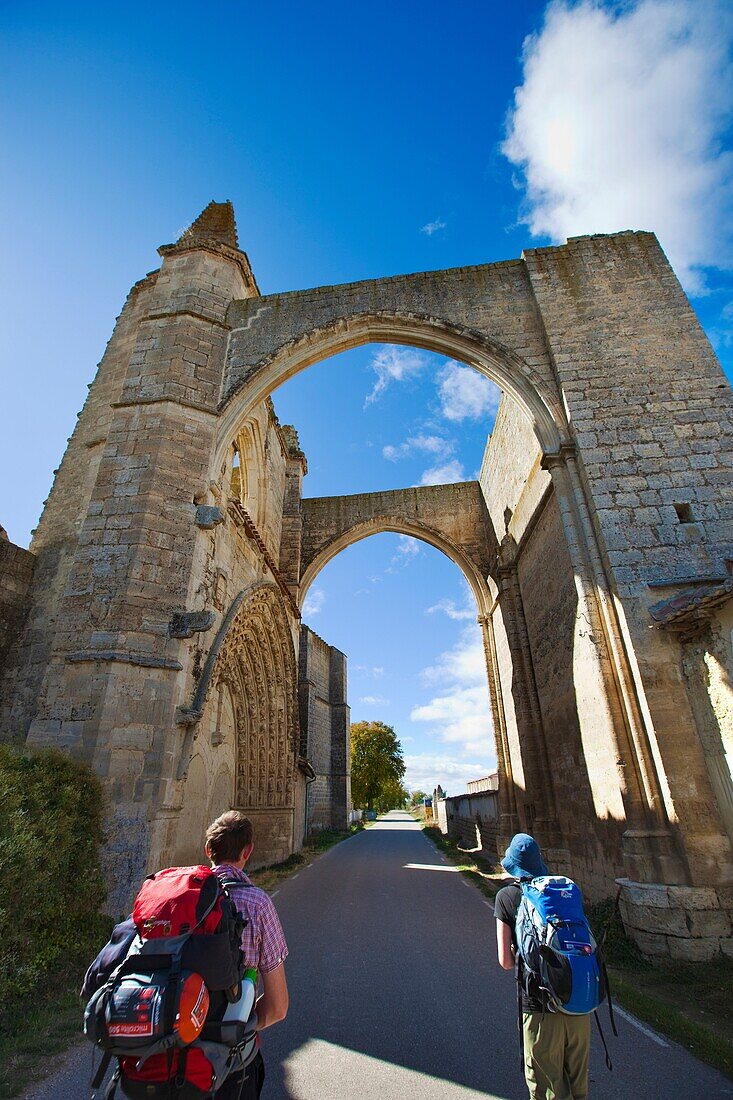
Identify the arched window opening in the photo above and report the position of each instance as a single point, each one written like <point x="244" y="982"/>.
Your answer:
<point x="235" y="483"/>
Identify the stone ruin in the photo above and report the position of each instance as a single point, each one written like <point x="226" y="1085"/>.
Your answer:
<point x="153" y="629"/>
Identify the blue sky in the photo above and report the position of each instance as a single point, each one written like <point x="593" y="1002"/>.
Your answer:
<point x="355" y="141"/>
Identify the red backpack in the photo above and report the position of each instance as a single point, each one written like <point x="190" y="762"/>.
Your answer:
<point x="158" y="1010"/>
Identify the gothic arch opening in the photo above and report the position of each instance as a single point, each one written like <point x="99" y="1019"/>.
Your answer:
<point x="450" y="725"/>
<point x="246" y="386"/>
<point x="469" y="539"/>
<point x="361" y="530"/>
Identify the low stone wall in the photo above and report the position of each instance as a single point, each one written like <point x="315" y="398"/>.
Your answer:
<point x="685" y="922"/>
<point x="470" y="820"/>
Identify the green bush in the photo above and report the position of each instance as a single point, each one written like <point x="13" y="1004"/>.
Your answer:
<point x="51" y="884"/>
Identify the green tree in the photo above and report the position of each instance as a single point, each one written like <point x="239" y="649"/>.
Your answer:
<point x="417" y="797"/>
<point x="377" y="767"/>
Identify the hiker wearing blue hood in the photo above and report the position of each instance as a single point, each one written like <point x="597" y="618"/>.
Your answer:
<point x="556" y="1046"/>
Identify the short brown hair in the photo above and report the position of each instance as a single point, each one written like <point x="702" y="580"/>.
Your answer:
<point x="228" y="836"/>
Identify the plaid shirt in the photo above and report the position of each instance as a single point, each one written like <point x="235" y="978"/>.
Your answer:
<point x="263" y="940"/>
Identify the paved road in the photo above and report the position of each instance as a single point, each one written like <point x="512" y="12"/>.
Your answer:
<point x="395" y="992"/>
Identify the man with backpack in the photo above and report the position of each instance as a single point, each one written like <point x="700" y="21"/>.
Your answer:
<point x="171" y="996"/>
<point x="229" y="846"/>
<point x="556" y="1042"/>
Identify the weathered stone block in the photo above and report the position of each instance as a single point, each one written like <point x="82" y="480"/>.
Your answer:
<point x="654" y="919"/>
<point x="132" y="737"/>
<point x="707" y="922"/>
<point x="725" y="897"/>
<point x="208" y="516"/>
<point x="693" y="897"/>
<point x="651" y="895"/>
<point x="651" y="944"/>
<point x="694" y="950"/>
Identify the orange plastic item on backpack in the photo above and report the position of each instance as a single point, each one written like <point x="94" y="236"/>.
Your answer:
<point x="193" y="1004"/>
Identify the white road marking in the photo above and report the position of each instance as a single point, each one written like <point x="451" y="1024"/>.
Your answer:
<point x="642" y="1027"/>
<point x="274" y="893"/>
<point x="427" y="867"/>
<point x="489" y="903"/>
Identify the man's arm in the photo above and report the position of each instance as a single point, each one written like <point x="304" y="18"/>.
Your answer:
<point x="504" y="947"/>
<point x="273" y="1004"/>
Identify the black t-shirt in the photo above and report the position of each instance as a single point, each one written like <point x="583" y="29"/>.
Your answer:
<point x="506" y="904"/>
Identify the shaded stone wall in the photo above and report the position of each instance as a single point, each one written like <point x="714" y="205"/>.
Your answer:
<point x="16" y="577"/>
<point x="324" y="725"/>
<point x="471" y="821"/>
<point x="652" y="416"/>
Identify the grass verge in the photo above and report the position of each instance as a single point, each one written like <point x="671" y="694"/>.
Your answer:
<point x="690" y="1003"/>
<point x="48" y="1025"/>
<point x="45" y="1027"/>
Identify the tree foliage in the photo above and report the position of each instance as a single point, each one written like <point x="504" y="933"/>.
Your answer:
<point x="377" y="767"/>
<point x="417" y="797"/>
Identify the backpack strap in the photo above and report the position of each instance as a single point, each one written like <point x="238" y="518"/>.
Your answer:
<point x="520" y="1021"/>
<point x="180" y="1078"/>
<point x="609" y="1063"/>
<point x="231" y="883"/>
<point x="611" y="1016"/>
<point x="101" y="1070"/>
<point x="111" y="1089"/>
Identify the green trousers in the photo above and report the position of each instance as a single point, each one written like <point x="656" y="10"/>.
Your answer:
<point x="556" y="1049"/>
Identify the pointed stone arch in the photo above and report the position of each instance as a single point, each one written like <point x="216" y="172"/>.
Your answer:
<point x="451" y="518"/>
<point x="263" y="354"/>
<point x="253" y="660"/>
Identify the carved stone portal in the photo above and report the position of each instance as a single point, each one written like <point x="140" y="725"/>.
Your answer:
<point x="256" y="666"/>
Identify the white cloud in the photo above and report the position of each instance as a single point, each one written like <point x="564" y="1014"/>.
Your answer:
<point x="314" y="601"/>
<point x="451" y="609"/>
<point x="407" y="546"/>
<point x="425" y="770"/>
<point x="465" y="394"/>
<point x="394" y="364"/>
<point x="407" y="550"/>
<point x="433" y="227"/>
<point x="374" y="700"/>
<point x="376" y="671"/>
<point x="460" y="713"/>
<point x="444" y="475"/>
<point x="619" y="124"/>
<point x="427" y="444"/>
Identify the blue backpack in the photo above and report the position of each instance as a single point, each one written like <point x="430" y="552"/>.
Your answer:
<point x="557" y="947"/>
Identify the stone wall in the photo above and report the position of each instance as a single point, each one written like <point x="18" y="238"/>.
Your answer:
<point x="559" y="726"/>
<point x="16" y="577"/>
<point x="471" y="821"/>
<point x="690" y="923"/>
<point x="324" y="725"/>
<point x="652" y="418"/>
